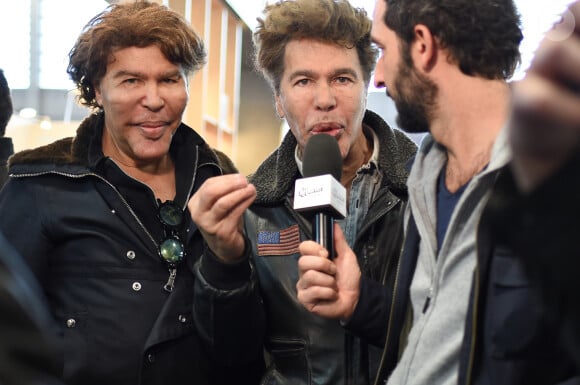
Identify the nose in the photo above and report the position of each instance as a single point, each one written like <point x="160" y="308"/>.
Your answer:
<point x="153" y="99"/>
<point x="379" y="76"/>
<point x="325" y="98"/>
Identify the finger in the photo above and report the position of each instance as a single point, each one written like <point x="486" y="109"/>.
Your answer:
<point x="315" y="263"/>
<point x="316" y="278"/>
<point x="327" y="309"/>
<point x="539" y="97"/>
<point x="216" y="187"/>
<point x="558" y="61"/>
<point x="312" y="248"/>
<point x="226" y="213"/>
<point x="234" y="204"/>
<point x="212" y="202"/>
<point x="310" y="297"/>
<point x="340" y="244"/>
<point x="575" y="11"/>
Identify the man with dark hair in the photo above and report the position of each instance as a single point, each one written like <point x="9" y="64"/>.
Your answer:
<point x="463" y="311"/>
<point x="102" y="221"/>
<point x="318" y="58"/>
<point x="6" y="110"/>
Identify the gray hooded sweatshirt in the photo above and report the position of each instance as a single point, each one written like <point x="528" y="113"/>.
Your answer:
<point x="442" y="281"/>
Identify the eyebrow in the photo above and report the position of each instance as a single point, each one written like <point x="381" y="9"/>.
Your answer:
<point x="138" y="74"/>
<point x="336" y="72"/>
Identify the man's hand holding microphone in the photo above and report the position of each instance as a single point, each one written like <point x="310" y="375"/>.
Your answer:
<point x="329" y="275"/>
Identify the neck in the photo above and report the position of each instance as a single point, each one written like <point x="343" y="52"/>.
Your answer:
<point x="358" y="155"/>
<point x="159" y="174"/>
<point x="472" y="114"/>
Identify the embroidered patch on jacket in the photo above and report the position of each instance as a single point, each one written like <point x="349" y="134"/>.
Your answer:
<point x="283" y="242"/>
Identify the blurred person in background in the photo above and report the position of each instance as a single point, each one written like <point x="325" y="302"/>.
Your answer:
<point x="535" y="205"/>
<point x="28" y="353"/>
<point x="6" y="110"/>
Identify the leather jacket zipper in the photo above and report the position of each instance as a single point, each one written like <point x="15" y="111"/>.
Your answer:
<point x="390" y="323"/>
<point x="78" y="176"/>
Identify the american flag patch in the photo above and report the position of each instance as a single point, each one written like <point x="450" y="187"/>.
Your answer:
<point x="283" y="242"/>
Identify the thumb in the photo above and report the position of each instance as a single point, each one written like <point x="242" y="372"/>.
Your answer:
<point x="340" y="245"/>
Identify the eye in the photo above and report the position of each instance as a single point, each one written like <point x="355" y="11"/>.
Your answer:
<point x="343" y="80"/>
<point x="131" y="80"/>
<point x="171" y="80"/>
<point x="302" y="82"/>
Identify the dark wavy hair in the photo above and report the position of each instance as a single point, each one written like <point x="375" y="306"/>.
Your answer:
<point x="136" y="24"/>
<point x="6" y="108"/>
<point x="328" y="21"/>
<point x="482" y="36"/>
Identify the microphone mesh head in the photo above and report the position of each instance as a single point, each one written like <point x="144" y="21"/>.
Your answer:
<point x="322" y="156"/>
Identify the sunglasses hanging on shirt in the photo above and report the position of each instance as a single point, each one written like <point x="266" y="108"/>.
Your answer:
<point x="171" y="248"/>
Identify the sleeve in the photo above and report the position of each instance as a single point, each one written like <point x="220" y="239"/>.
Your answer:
<point x="229" y="315"/>
<point x="543" y="229"/>
<point x="28" y="354"/>
<point x="23" y="222"/>
<point x="370" y="318"/>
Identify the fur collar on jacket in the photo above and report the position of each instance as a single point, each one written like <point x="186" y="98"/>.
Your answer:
<point x="276" y="175"/>
<point x="74" y="151"/>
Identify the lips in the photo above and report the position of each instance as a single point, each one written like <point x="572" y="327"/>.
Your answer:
<point x="152" y="124"/>
<point x="329" y="128"/>
<point x="152" y="129"/>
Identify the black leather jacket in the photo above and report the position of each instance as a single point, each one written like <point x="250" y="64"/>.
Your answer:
<point x="304" y="348"/>
<point x="98" y="264"/>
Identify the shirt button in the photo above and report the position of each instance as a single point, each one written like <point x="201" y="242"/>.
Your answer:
<point x="131" y="254"/>
<point x="136" y="286"/>
<point x="182" y="319"/>
<point x="71" y="323"/>
<point x="151" y="358"/>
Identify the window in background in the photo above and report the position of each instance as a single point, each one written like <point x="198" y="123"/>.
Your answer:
<point x="59" y="22"/>
<point x="15" y="43"/>
<point x="537" y="18"/>
<point x="57" y="36"/>
<point x="37" y="35"/>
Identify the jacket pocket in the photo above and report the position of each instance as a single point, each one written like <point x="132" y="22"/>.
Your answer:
<point x="288" y="363"/>
<point x="516" y="319"/>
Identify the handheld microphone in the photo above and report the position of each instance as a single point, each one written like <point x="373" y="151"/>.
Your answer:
<point x="320" y="191"/>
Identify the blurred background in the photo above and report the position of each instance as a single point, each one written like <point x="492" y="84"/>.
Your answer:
<point x="230" y="104"/>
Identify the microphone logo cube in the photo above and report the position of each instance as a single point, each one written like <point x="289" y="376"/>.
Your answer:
<point x="320" y="193"/>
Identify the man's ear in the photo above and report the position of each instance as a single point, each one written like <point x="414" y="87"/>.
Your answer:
<point x="278" y="105"/>
<point x="424" y="48"/>
<point x="98" y="96"/>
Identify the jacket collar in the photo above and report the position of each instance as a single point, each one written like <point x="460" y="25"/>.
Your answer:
<point x="82" y="150"/>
